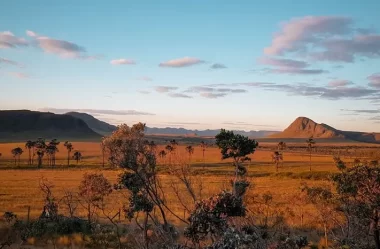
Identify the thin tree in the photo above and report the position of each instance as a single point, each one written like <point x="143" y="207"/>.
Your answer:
<point x="77" y="156"/>
<point x="40" y="147"/>
<point x="203" y="146"/>
<point x="190" y="151"/>
<point x="277" y="158"/>
<point x="281" y="146"/>
<point x="310" y="142"/>
<point x="69" y="148"/>
<point x="30" y="146"/>
<point x="170" y="150"/>
<point x="53" y="147"/>
<point x="16" y="152"/>
<point x="103" y="147"/>
<point x="162" y="154"/>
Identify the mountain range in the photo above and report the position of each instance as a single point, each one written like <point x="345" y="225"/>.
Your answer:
<point x="16" y="125"/>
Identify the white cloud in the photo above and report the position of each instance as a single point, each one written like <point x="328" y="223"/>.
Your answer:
<point x="122" y="61"/>
<point x="181" y="62"/>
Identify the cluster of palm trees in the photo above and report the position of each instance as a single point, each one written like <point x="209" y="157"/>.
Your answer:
<point x="171" y="147"/>
<point x="278" y="155"/>
<point x="40" y="149"/>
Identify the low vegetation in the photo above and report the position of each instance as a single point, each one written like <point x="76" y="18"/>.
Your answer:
<point x="166" y="201"/>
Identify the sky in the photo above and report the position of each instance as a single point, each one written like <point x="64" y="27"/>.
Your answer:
<point x="247" y="65"/>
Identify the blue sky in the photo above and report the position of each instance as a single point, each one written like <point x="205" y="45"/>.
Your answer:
<point x="196" y="64"/>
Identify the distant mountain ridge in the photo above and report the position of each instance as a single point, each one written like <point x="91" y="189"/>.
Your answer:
<point x="25" y="124"/>
<point x="104" y="128"/>
<point x="304" y="127"/>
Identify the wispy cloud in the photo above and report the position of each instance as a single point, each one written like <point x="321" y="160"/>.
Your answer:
<point x="362" y="111"/>
<point x="97" y="111"/>
<point x="181" y="62"/>
<point x="211" y="95"/>
<point x="180" y="95"/>
<point x="143" y="92"/>
<point x="376" y="118"/>
<point x="122" y="61"/>
<point x="62" y="48"/>
<point x="218" y="66"/>
<point x="283" y="63"/>
<point x="9" y="62"/>
<point x="9" y="40"/>
<point x="165" y="89"/>
<point x="339" y="83"/>
<point x="325" y="38"/>
<point x="374" y="80"/>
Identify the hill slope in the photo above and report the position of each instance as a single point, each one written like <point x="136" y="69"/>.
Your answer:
<point x="304" y="127"/>
<point x="96" y="125"/>
<point x="23" y="125"/>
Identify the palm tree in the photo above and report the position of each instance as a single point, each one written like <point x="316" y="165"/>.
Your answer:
<point x="69" y="148"/>
<point x="30" y="146"/>
<point x="170" y="149"/>
<point x="53" y="149"/>
<point x="77" y="156"/>
<point x="16" y="152"/>
<point x="281" y="146"/>
<point x="310" y="142"/>
<point x="103" y="147"/>
<point x="203" y="146"/>
<point x="40" y="146"/>
<point x="277" y="157"/>
<point x="162" y="153"/>
<point x="190" y="150"/>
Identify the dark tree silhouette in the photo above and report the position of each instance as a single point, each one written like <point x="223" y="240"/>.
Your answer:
<point x="203" y="146"/>
<point x="310" y="142"/>
<point x="77" y="156"/>
<point x="51" y="150"/>
<point x="40" y="147"/>
<point x="69" y="148"/>
<point x="30" y="146"/>
<point x="162" y="154"/>
<point x="190" y="151"/>
<point x="16" y="152"/>
<point x="277" y="158"/>
<point x="238" y="148"/>
<point x="281" y="146"/>
<point x="103" y="147"/>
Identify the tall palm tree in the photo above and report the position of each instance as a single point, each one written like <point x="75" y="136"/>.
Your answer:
<point x="103" y="147"/>
<point x="281" y="146"/>
<point x="203" y="146"/>
<point x="162" y="154"/>
<point x="170" y="150"/>
<point x="77" y="156"/>
<point x="53" y="149"/>
<point x="40" y="147"/>
<point x="310" y="142"/>
<point x="277" y="157"/>
<point x="30" y="146"/>
<point x="69" y="148"/>
<point x="16" y="152"/>
<point x="190" y="151"/>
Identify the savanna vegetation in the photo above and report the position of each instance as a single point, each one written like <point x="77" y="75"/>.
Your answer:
<point x="230" y="192"/>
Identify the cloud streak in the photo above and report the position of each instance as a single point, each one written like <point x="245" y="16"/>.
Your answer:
<point x="165" y="89"/>
<point x="218" y="66"/>
<point x="122" y="61"/>
<point x="9" y="62"/>
<point x="180" y="95"/>
<point x="374" y="80"/>
<point x="339" y="83"/>
<point x="9" y="40"/>
<point x="181" y="62"/>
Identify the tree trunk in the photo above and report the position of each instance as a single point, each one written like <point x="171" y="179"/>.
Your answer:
<point x="204" y="166"/>
<point x="326" y="239"/>
<point x="103" y="157"/>
<point x="30" y="157"/>
<point x="68" y="158"/>
<point x="310" y="161"/>
<point x="146" y="242"/>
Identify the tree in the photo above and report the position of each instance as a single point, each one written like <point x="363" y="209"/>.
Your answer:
<point x="16" y="152"/>
<point x="103" y="148"/>
<point x="170" y="150"/>
<point x="162" y="154"/>
<point x="190" y="151"/>
<point x="132" y="153"/>
<point x="93" y="189"/>
<point x="30" y="146"/>
<point x="40" y="146"/>
<point x="277" y="158"/>
<point x="203" y="146"/>
<point x="238" y="148"/>
<point x="69" y="148"/>
<point x="281" y="146"/>
<point x="310" y="143"/>
<point x="53" y="144"/>
<point x="358" y="189"/>
<point x="77" y="156"/>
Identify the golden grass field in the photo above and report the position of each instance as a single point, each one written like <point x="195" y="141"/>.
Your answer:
<point x="19" y="186"/>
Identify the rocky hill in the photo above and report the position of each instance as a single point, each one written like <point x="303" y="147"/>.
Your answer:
<point x="304" y="127"/>
<point x="96" y="125"/>
<point x="24" y="125"/>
